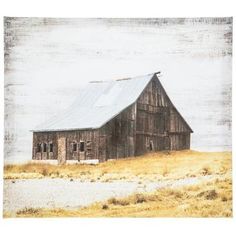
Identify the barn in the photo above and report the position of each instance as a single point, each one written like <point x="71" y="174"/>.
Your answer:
<point x="111" y="120"/>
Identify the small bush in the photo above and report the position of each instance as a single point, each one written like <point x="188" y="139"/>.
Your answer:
<point x="44" y="172"/>
<point x="57" y="173"/>
<point x="105" y="207"/>
<point x="178" y="194"/>
<point x="224" y="199"/>
<point x="112" y="200"/>
<point x="206" y="171"/>
<point x="122" y="202"/>
<point x="140" y="198"/>
<point x="209" y="194"/>
<point x="27" y="211"/>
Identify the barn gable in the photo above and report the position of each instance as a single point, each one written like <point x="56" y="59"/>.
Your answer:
<point x="154" y="97"/>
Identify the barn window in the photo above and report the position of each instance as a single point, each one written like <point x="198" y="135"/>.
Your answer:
<point x="44" y="147"/>
<point x="51" y="147"/>
<point x="81" y="146"/>
<point x="38" y="147"/>
<point x="74" y="147"/>
<point x="151" y="145"/>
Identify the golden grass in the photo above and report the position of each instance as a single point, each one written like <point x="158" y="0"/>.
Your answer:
<point x="208" y="199"/>
<point x="150" y="167"/>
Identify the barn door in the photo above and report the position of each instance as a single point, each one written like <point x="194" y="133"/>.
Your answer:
<point x="82" y="155"/>
<point x="167" y="143"/>
<point x="61" y="150"/>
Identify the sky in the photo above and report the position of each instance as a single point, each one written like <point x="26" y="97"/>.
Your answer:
<point x="49" y="60"/>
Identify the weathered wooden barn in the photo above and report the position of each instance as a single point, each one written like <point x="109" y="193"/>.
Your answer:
<point x="114" y="119"/>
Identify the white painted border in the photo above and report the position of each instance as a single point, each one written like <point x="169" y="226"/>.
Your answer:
<point x="111" y="8"/>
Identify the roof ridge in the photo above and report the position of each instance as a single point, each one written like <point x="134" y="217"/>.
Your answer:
<point x="124" y="78"/>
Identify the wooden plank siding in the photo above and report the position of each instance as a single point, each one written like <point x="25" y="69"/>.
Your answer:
<point x="157" y="119"/>
<point x="152" y="123"/>
<point x="89" y="137"/>
<point x="179" y="141"/>
<point x="119" y="135"/>
<point x="152" y="119"/>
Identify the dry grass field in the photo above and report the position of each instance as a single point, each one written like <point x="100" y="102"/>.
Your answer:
<point x="209" y="198"/>
<point x="150" y="167"/>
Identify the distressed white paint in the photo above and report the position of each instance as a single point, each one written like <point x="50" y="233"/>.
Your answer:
<point x="51" y="59"/>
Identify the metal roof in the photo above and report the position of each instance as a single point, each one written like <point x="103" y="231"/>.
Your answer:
<point x="98" y="103"/>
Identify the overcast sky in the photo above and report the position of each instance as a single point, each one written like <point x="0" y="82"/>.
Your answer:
<point x="47" y="62"/>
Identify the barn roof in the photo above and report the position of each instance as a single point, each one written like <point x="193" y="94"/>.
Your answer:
<point x="98" y="103"/>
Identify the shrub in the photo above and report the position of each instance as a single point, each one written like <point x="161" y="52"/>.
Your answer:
<point x="122" y="202"/>
<point x="209" y="194"/>
<point x="44" y="172"/>
<point x="140" y="198"/>
<point x="224" y="199"/>
<point x="105" y="207"/>
<point x="27" y="211"/>
<point x="206" y="171"/>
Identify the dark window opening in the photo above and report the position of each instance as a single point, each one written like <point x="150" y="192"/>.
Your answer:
<point x="151" y="145"/>
<point x="44" y="147"/>
<point x="81" y="146"/>
<point x="74" y="147"/>
<point x="38" y="147"/>
<point x="51" y="147"/>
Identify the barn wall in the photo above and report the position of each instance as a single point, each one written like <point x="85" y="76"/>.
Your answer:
<point x="179" y="141"/>
<point x="176" y="122"/>
<point x="117" y="137"/>
<point x="159" y="125"/>
<point x="89" y="137"/>
<point x="153" y="120"/>
<point x="40" y="138"/>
